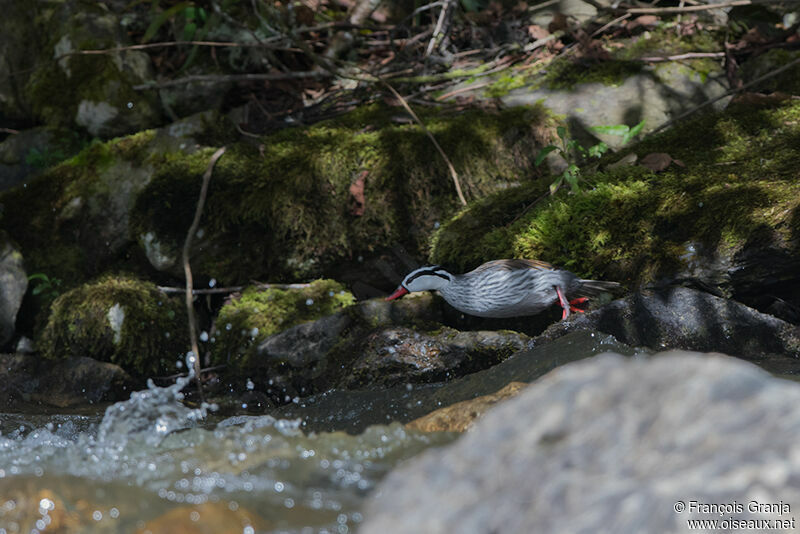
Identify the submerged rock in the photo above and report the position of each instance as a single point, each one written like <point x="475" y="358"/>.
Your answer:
<point x="460" y="416"/>
<point x="609" y="445"/>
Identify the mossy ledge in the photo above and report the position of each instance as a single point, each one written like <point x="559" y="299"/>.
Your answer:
<point x="740" y="182"/>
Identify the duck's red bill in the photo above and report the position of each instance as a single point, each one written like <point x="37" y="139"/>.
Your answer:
<point x="399" y="292"/>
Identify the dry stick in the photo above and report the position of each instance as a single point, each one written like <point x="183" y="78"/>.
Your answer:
<point x="9" y="131"/>
<point x="214" y="78"/>
<point x="688" y="9"/>
<point x="436" y="38"/>
<point x="612" y="23"/>
<point x="679" y="57"/>
<point x="453" y="173"/>
<point x="187" y="246"/>
<point x="232" y="289"/>
<point x="732" y="91"/>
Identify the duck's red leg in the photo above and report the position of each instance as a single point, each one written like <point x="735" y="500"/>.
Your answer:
<point x="565" y="306"/>
<point x="573" y="304"/>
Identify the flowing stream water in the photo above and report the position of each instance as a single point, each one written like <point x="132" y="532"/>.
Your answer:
<point x="153" y="465"/>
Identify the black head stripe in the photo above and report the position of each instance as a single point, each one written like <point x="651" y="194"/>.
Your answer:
<point x="431" y="271"/>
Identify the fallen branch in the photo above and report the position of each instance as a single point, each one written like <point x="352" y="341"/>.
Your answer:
<point x="187" y="247"/>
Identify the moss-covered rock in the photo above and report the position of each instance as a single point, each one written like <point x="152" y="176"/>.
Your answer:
<point x="95" y="91"/>
<point x="117" y="319"/>
<point x="276" y="211"/>
<point x="739" y="191"/>
<point x="246" y="320"/>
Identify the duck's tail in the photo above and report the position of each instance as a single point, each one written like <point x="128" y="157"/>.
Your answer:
<point x="594" y="288"/>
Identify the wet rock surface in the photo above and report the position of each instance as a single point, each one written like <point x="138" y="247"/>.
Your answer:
<point x="360" y="347"/>
<point x="30" y="380"/>
<point x="355" y="410"/>
<point x="683" y="318"/>
<point x="609" y="444"/>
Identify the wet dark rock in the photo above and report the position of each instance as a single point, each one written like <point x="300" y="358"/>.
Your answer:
<point x="394" y="356"/>
<point x="313" y="356"/>
<point x="363" y="346"/>
<point x="29" y="379"/>
<point x="683" y="318"/>
<point x="607" y="444"/>
<point x="355" y="410"/>
<point x="13" y="284"/>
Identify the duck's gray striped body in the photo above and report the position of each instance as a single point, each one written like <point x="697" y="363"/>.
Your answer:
<point x="505" y="288"/>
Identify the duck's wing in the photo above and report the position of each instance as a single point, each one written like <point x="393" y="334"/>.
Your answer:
<point x="514" y="265"/>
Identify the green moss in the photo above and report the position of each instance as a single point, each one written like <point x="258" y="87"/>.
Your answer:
<point x="117" y="319"/>
<point x="289" y="199"/>
<point x="630" y="224"/>
<point x="246" y="321"/>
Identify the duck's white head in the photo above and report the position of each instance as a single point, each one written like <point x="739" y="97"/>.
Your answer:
<point x="423" y="279"/>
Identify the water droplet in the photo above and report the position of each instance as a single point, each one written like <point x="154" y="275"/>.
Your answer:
<point x="212" y="282"/>
<point x="97" y="515"/>
<point x="309" y="302"/>
<point x="203" y="336"/>
<point x="250" y="384"/>
<point x="130" y="105"/>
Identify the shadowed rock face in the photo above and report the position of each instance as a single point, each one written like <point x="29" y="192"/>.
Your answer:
<point x="13" y="284"/>
<point x="608" y="444"/>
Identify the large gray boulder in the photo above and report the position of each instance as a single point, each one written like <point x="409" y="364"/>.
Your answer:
<point x="611" y="444"/>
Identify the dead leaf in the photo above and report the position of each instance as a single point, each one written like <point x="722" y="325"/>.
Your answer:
<point x="644" y="21"/>
<point x="658" y="161"/>
<point x="357" y="198"/>
<point x="536" y="32"/>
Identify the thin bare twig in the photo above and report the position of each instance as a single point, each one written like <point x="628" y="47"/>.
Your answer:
<point x="441" y="26"/>
<point x="689" y="9"/>
<point x="232" y="289"/>
<point x="9" y="131"/>
<point x="216" y="78"/>
<point x="607" y="26"/>
<point x="187" y="247"/>
<point x="758" y="80"/>
<point x="679" y="57"/>
<point x="453" y="173"/>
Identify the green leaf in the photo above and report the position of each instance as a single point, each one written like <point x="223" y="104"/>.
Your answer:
<point x="38" y="289"/>
<point x="616" y="129"/>
<point x="543" y="154"/>
<point x="562" y="132"/>
<point x="163" y="17"/>
<point x="38" y="276"/>
<point x="598" y="150"/>
<point x="633" y="132"/>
